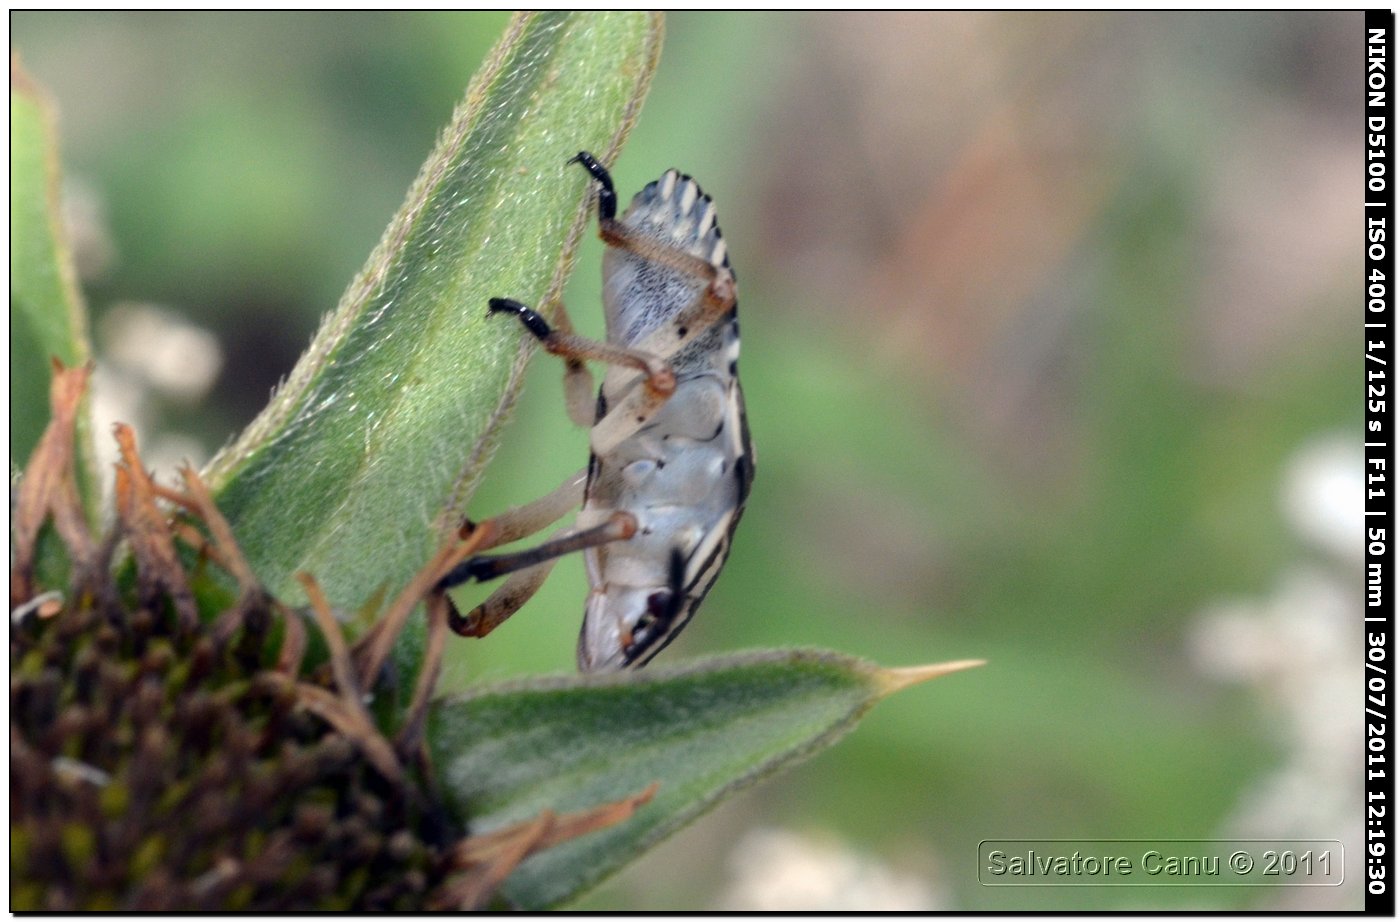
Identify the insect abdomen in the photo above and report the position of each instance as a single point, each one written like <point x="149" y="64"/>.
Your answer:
<point x="685" y="473"/>
<point x="639" y="293"/>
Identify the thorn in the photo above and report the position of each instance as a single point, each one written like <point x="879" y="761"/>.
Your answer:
<point x="889" y="681"/>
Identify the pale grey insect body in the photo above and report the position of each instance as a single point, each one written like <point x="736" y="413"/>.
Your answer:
<point x="671" y="461"/>
<point x="685" y="472"/>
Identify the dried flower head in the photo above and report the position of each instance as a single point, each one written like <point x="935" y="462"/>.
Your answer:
<point x="177" y="748"/>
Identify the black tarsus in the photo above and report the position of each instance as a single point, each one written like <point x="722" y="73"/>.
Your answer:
<point x="607" y="197"/>
<point x="607" y="210"/>
<point x="485" y="567"/>
<point x="476" y="568"/>
<point x="529" y="317"/>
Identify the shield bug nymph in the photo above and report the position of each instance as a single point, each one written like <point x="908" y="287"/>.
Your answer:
<point x="671" y="461"/>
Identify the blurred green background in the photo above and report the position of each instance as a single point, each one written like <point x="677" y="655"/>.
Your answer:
<point x="1050" y="354"/>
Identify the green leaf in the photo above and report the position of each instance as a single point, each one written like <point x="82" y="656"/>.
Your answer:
<point x="704" y="730"/>
<point x="47" y="315"/>
<point x="372" y="447"/>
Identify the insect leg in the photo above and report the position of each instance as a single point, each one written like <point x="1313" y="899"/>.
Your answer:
<point x="578" y="393"/>
<point x="660" y="380"/>
<point x="719" y="296"/>
<point x="607" y="195"/>
<point x="512" y="525"/>
<point x="527" y="570"/>
<point x="508" y="599"/>
<point x="620" y="526"/>
<point x="539" y="514"/>
<point x="578" y="383"/>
